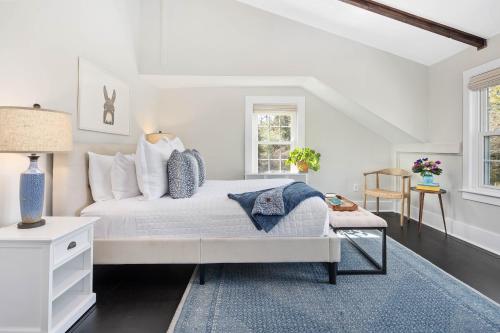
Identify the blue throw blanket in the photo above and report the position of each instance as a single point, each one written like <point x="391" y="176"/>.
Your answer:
<point x="267" y="207"/>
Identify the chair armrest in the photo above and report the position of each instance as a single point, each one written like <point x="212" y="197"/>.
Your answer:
<point x="370" y="173"/>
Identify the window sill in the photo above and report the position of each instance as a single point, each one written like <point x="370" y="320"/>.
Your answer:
<point x="295" y="176"/>
<point x="487" y="196"/>
<point x="276" y="173"/>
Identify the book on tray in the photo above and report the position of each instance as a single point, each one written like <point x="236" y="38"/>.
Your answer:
<point x="429" y="187"/>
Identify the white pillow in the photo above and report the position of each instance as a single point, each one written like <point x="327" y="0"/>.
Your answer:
<point x="151" y="167"/>
<point x="123" y="177"/>
<point x="100" y="176"/>
<point x="176" y="143"/>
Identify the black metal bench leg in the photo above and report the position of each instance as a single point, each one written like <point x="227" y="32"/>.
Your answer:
<point x="332" y="272"/>
<point x="201" y="270"/>
<point x="384" y="251"/>
<point x="379" y="268"/>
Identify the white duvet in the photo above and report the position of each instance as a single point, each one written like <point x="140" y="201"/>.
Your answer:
<point x="208" y="213"/>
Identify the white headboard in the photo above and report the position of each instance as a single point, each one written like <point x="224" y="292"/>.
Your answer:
<point x="71" y="191"/>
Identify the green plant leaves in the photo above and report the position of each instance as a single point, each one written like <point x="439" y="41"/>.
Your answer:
<point x="308" y="155"/>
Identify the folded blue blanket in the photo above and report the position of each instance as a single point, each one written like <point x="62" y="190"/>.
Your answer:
<point x="269" y="212"/>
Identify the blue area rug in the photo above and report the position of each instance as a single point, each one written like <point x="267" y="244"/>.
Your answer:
<point x="415" y="296"/>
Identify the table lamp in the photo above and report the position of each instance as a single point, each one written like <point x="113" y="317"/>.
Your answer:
<point x="33" y="130"/>
<point x="155" y="137"/>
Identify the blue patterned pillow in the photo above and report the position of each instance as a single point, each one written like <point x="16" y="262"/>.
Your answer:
<point x="182" y="172"/>
<point x="201" y="165"/>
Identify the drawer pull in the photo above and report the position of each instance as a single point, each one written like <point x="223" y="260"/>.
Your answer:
<point x="71" y="245"/>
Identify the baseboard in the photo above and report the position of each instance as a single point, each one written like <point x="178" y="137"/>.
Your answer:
<point x="484" y="239"/>
<point x="371" y="205"/>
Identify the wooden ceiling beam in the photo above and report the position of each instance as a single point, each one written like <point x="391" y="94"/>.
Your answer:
<point x="419" y="22"/>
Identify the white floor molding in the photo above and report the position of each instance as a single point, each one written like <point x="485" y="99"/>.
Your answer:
<point x="485" y="239"/>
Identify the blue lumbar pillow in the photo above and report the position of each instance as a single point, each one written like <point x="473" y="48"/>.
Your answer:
<point x="183" y="174"/>
<point x="201" y="165"/>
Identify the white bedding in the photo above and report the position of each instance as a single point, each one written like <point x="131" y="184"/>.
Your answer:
<point x="208" y="213"/>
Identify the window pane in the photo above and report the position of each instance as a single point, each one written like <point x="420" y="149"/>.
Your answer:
<point x="275" y="165"/>
<point x="494" y="108"/>
<point x="285" y="151"/>
<point x="492" y="161"/>
<point x="263" y="152"/>
<point x="274" y="134"/>
<point x="263" y="133"/>
<point x="263" y="166"/>
<point x="263" y="120"/>
<point x="284" y="167"/>
<point x="277" y="151"/>
<point x="492" y="148"/>
<point x="274" y="120"/>
<point x="492" y="174"/>
<point x="285" y="134"/>
<point x="285" y="120"/>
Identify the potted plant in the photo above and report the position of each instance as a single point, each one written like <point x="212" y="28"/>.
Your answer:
<point x="304" y="159"/>
<point x="427" y="169"/>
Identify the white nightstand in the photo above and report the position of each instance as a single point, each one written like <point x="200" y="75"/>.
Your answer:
<point x="46" y="275"/>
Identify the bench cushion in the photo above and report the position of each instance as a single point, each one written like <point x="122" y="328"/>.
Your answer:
<point x="357" y="219"/>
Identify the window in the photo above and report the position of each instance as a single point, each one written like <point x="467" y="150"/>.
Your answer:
<point x="490" y="134"/>
<point x="481" y="134"/>
<point x="274" y="128"/>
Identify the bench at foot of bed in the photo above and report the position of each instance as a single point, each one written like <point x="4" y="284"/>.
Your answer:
<point x="346" y="222"/>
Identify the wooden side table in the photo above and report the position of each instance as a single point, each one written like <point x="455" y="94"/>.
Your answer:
<point x="421" y="205"/>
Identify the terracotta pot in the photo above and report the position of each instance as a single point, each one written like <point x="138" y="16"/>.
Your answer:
<point x="302" y="166"/>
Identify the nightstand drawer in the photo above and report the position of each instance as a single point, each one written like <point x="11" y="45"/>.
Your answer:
<point x="69" y="246"/>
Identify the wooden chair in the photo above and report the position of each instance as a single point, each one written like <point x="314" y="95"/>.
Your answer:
<point x="386" y="194"/>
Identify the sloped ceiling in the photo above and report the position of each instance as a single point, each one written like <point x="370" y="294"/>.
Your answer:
<point x="321" y="90"/>
<point x="479" y="17"/>
<point x="216" y="44"/>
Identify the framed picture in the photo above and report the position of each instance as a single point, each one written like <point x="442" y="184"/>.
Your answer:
<point x="103" y="101"/>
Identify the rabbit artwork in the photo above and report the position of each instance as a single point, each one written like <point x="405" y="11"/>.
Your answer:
<point x="108" y="116"/>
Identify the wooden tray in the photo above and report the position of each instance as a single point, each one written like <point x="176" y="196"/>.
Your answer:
<point x="346" y="206"/>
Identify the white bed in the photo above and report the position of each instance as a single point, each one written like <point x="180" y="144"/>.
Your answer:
<point x="209" y="213"/>
<point x="207" y="228"/>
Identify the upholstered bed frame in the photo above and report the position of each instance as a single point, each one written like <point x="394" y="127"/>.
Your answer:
<point x="71" y="193"/>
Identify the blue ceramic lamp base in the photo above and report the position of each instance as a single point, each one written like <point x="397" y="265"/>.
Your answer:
<point x="31" y="195"/>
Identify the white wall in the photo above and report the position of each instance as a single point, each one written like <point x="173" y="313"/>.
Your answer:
<point x="472" y="221"/>
<point x="225" y="37"/>
<point x="212" y="120"/>
<point x="445" y="91"/>
<point x="41" y="43"/>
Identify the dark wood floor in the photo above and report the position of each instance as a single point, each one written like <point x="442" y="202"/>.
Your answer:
<point x="476" y="267"/>
<point x="135" y="298"/>
<point x="143" y="298"/>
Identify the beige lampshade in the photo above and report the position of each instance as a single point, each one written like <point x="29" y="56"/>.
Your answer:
<point x="34" y="130"/>
<point x="155" y="137"/>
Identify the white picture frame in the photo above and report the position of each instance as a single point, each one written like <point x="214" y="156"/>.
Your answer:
<point x="103" y="101"/>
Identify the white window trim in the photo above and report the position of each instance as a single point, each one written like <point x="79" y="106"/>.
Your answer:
<point x="472" y="159"/>
<point x="300" y="123"/>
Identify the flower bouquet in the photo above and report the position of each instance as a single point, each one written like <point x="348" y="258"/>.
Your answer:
<point x="427" y="169"/>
